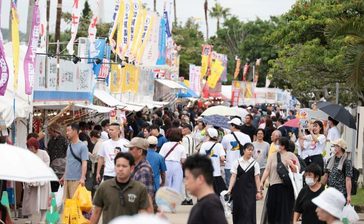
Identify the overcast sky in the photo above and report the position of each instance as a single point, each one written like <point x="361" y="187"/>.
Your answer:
<point x="244" y="9"/>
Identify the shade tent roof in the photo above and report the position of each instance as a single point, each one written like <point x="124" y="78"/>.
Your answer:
<point x="109" y="100"/>
<point x="61" y="105"/>
<point x="187" y="93"/>
<point x="171" y="84"/>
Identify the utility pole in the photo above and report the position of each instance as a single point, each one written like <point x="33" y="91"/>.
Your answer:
<point x="58" y="20"/>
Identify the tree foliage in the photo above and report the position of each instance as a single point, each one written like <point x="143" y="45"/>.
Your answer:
<point x="190" y="39"/>
<point x="219" y="12"/>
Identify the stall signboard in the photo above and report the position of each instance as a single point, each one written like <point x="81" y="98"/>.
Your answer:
<point x="71" y="82"/>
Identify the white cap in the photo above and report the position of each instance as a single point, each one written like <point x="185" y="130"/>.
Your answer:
<point x="212" y="132"/>
<point x="152" y="140"/>
<point x="332" y="201"/>
<point x="235" y="121"/>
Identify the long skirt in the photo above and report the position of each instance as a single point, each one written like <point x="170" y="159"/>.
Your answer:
<point x="174" y="175"/>
<point x="219" y="185"/>
<point x="280" y="204"/>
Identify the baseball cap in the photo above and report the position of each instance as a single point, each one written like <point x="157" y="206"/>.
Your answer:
<point x="235" y="121"/>
<point x="212" y="132"/>
<point x="152" y="140"/>
<point x="138" y="142"/>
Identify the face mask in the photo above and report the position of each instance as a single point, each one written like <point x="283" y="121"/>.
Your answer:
<point x="309" y="181"/>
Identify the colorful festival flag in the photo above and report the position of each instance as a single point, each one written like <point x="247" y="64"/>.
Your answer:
<point x="149" y="54"/>
<point x="98" y="53"/>
<point x="256" y="73"/>
<point x="29" y="59"/>
<point x="134" y="25"/>
<point x="15" y="41"/>
<point x="162" y="42"/>
<point x="237" y="67"/>
<point x="205" y="59"/>
<point x="4" y="69"/>
<point x="216" y="71"/>
<point x="75" y="21"/>
<point x="92" y="30"/>
<point x="115" y="22"/>
<point x="115" y="79"/>
<point x="139" y="28"/>
<point x="246" y="71"/>
<point x="130" y="77"/>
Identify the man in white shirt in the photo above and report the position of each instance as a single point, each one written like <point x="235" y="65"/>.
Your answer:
<point x="187" y="140"/>
<point x="231" y="145"/>
<point x="108" y="151"/>
<point x="333" y="134"/>
<point x="105" y="128"/>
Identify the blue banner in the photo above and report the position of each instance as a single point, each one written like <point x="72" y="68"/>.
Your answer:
<point x="99" y="52"/>
<point x="168" y="31"/>
<point x="162" y="42"/>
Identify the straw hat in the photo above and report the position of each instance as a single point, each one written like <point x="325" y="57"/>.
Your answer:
<point x="341" y="143"/>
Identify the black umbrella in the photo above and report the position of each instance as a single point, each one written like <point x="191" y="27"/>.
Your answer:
<point x="338" y="113"/>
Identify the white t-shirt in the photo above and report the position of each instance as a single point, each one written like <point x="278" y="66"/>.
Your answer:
<point x="104" y="135"/>
<point x="108" y="151"/>
<point x="215" y="154"/>
<point x="245" y="165"/>
<point x="231" y="146"/>
<point x="316" y="148"/>
<point x="333" y="134"/>
<point x="305" y="151"/>
<point x="178" y="153"/>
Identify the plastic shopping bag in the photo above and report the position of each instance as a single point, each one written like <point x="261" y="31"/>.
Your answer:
<point x="296" y="180"/>
<point x="227" y="202"/>
<point x="72" y="213"/>
<point x="59" y="196"/>
<point x="349" y="215"/>
<point x="83" y="196"/>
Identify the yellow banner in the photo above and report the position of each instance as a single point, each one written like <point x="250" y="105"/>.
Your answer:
<point x="130" y="74"/>
<point x="204" y="65"/>
<point x="237" y="68"/>
<point x="15" y="40"/>
<point x="119" y="37"/>
<point x="248" y="90"/>
<point x="115" y="79"/>
<point x="137" y="41"/>
<point x="145" y="35"/>
<point x="216" y="71"/>
<point x="135" y="25"/>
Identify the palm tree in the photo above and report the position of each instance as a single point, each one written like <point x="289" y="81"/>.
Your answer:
<point x="219" y="12"/>
<point x="206" y="7"/>
<point x="353" y="31"/>
<point x="175" y="12"/>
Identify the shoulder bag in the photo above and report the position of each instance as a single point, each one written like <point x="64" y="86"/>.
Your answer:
<point x="282" y="171"/>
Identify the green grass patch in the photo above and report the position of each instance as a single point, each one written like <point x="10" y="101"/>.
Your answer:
<point x="358" y="199"/>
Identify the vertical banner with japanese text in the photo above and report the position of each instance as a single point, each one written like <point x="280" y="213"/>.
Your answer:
<point x="115" y="79"/>
<point x="29" y="59"/>
<point x="15" y="42"/>
<point x="75" y="21"/>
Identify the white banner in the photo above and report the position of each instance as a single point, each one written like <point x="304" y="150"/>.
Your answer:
<point x="40" y="77"/>
<point x="75" y="21"/>
<point x="151" y="52"/>
<point x="195" y="80"/>
<point x="67" y="76"/>
<point x="83" y="77"/>
<point x="51" y="74"/>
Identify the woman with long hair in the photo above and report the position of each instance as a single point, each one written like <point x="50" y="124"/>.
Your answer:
<point x="318" y="143"/>
<point x="280" y="199"/>
<point x="268" y="130"/>
<point x="245" y="186"/>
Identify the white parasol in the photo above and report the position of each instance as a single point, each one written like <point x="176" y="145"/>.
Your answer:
<point x="225" y="111"/>
<point x="20" y="164"/>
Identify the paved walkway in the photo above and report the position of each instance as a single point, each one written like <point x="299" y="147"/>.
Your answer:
<point x="181" y="216"/>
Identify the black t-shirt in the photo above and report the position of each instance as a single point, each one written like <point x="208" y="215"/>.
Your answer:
<point x="122" y="185"/>
<point x="305" y="206"/>
<point x="207" y="210"/>
<point x="249" y="130"/>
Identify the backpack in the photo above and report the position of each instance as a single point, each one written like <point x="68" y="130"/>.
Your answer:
<point x="283" y="171"/>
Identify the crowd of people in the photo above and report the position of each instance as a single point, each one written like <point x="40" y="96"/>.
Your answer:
<point x="124" y="165"/>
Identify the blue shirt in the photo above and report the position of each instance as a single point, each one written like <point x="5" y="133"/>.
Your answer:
<point x="73" y="166"/>
<point x="161" y="141"/>
<point x="158" y="165"/>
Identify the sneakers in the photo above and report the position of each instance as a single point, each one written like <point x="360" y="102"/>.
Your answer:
<point x="187" y="202"/>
